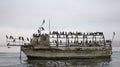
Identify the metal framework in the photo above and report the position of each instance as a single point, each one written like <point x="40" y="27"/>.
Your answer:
<point x="77" y="39"/>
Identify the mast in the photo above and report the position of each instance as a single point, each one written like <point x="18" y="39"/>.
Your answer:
<point x="49" y="25"/>
<point x="49" y="31"/>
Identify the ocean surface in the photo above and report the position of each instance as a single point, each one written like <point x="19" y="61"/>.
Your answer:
<point x="12" y="59"/>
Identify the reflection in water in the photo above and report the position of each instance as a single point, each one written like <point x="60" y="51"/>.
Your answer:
<point x="70" y="63"/>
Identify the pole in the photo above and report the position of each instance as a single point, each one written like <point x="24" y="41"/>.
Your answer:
<point x="20" y="54"/>
<point x="113" y="36"/>
<point x="57" y="40"/>
<point x="49" y="25"/>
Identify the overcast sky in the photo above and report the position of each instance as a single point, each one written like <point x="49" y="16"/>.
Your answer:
<point x="74" y="15"/>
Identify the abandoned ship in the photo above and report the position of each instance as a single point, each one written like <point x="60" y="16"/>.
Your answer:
<point x="58" y="45"/>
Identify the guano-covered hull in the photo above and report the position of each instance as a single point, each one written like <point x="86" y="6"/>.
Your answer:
<point x="67" y="53"/>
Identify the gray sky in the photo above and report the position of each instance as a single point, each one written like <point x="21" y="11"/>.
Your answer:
<point x="74" y="15"/>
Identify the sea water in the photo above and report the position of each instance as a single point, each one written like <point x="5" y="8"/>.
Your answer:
<point x="12" y="59"/>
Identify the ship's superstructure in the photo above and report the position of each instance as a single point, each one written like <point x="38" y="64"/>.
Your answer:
<point x="69" y="39"/>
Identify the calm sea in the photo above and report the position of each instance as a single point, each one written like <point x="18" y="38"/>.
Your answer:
<point x="8" y="59"/>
